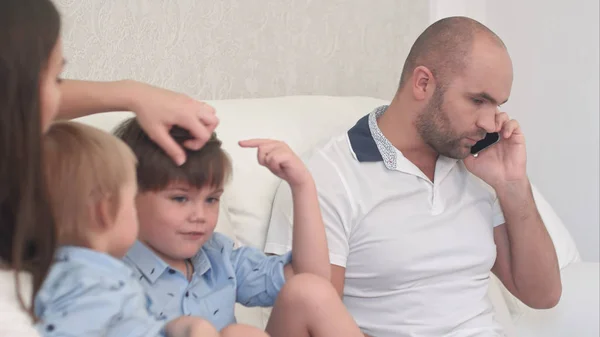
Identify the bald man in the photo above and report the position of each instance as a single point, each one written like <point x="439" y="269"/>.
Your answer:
<point x="415" y="223"/>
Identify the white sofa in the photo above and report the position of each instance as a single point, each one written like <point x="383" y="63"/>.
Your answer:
<point x="303" y="122"/>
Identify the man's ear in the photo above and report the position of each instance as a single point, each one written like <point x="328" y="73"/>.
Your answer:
<point x="423" y="83"/>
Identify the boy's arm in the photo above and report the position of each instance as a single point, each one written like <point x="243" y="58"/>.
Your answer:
<point x="157" y="110"/>
<point x="309" y="246"/>
<point x="309" y="243"/>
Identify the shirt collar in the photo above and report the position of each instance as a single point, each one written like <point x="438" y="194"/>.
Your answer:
<point x="149" y="264"/>
<point x="370" y="145"/>
<point x="368" y="142"/>
<point x="91" y="257"/>
<point x="152" y="267"/>
<point x="201" y="262"/>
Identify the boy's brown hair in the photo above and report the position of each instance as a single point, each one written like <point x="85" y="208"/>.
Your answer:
<point x="209" y="166"/>
<point x="83" y="166"/>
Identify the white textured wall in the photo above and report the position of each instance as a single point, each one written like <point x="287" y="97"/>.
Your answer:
<point x="217" y="49"/>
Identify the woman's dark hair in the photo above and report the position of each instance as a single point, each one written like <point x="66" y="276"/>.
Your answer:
<point x="29" y="30"/>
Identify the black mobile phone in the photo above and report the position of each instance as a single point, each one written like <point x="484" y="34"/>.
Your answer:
<point x="489" y="140"/>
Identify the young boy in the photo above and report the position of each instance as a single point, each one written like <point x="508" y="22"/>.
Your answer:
<point x="188" y="270"/>
<point x="89" y="291"/>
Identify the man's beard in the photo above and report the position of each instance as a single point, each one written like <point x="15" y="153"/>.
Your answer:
<point x="434" y="126"/>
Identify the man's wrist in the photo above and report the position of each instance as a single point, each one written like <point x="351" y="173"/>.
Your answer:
<point x="513" y="187"/>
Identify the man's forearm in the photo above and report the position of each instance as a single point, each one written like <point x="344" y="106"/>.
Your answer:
<point x="534" y="265"/>
<point x="82" y="98"/>
<point x="309" y="246"/>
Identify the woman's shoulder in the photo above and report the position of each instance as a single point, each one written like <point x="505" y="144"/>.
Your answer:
<point x="14" y="321"/>
<point x="8" y="287"/>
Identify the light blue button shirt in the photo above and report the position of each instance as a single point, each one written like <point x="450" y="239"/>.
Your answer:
<point x="88" y="293"/>
<point x="223" y="276"/>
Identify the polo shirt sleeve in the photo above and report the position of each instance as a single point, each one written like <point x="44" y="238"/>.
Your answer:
<point x="335" y="203"/>
<point x="259" y="277"/>
<point x="76" y="305"/>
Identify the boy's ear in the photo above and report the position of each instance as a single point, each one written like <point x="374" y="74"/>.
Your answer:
<point x="103" y="217"/>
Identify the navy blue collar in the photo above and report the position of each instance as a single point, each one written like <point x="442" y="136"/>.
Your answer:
<point x="370" y="145"/>
<point x="362" y="142"/>
<point x="368" y="142"/>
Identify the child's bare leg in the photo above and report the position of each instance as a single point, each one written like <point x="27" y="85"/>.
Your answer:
<point x="240" y="330"/>
<point x="187" y="326"/>
<point x="309" y="306"/>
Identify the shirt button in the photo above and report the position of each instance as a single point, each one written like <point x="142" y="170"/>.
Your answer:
<point x="171" y="271"/>
<point x="187" y="294"/>
<point x="50" y="328"/>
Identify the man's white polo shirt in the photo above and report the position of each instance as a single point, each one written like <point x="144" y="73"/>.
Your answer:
<point x="417" y="254"/>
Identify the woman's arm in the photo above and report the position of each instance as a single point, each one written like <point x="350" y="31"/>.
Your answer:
<point x="82" y="98"/>
<point x="157" y="110"/>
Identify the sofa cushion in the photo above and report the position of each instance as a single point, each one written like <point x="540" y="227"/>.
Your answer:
<point x="566" y="250"/>
<point x="301" y="121"/>
<point x="576" y="315"/>
<point x="502" y="314"/>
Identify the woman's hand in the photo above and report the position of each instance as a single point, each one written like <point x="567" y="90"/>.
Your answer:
<point x="158" y="110"/>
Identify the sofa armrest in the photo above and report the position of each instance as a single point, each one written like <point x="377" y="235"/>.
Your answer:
<point x="578" y="312"/>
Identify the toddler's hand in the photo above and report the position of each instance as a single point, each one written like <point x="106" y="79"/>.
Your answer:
<point x="280" y="159"/>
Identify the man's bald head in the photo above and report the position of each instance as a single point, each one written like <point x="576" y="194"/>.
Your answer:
<point x="445" y="48"/>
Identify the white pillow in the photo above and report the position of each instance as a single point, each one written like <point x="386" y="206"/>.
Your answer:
<point x="300" y="121"/>
<point x="501" y="312"/>
<point x="566" y="249"/>
<point x="577" y="312"/>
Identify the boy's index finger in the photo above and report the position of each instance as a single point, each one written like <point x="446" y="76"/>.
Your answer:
<point x="254" y="142"/>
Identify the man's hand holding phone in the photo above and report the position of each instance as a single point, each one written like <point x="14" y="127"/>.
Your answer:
<point x="505" y="161"/>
